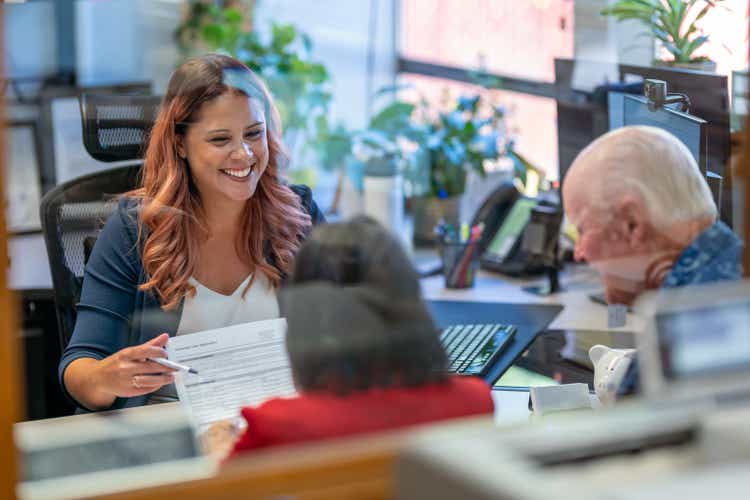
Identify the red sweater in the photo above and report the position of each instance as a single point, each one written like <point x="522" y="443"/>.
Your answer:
<point x="314" y="416"/>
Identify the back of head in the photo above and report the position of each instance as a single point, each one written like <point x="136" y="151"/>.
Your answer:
<point x="355" y="313"/>
<point x="357" y="252"/>
<point x="648" y="162"/>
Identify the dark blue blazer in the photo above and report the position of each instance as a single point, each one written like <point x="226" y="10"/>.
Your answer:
<point x="113" y="313"/>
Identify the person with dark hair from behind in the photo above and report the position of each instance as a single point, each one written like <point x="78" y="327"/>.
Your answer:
<point x="364" y="351"/>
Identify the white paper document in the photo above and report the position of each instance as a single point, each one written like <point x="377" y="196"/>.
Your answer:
<point x="237" y="366"/>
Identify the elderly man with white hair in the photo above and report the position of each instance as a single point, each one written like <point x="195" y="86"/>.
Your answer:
<point x="645" y="216"/>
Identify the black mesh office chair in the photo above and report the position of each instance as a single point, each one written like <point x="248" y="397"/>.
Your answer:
<point x="115" y="128"/>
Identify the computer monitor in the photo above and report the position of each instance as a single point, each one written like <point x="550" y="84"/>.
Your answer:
<point x="615" y="110"/>
<point x="696" y="343"/>
<point x="511" y="229"/>
<point x="582" y="113"/>
<point x="689" y="129"/>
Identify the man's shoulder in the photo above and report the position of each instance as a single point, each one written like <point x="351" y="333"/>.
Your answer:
<point x="714" y="256"/>
<point x="718" y="244"/>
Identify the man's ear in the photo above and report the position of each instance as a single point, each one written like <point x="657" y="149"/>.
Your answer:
<point x="180" y="144"/>
<point x="632" y="220"/>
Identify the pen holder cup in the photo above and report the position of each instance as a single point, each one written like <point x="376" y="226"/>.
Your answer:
<point x="460" y="263"/>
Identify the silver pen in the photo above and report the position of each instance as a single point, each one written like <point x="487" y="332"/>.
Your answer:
<point x="172" y="364"/>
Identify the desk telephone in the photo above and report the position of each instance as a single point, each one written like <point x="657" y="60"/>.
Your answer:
<point x="520" y="234"/>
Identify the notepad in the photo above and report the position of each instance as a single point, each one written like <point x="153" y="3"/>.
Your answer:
<point x="237" y="366"/>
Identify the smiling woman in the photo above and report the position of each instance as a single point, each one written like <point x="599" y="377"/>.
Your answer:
<point x="203" y="243"/>
<point x="226" y="149"/>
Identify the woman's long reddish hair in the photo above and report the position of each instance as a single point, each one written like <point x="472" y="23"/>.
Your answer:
<point x="171" y="215"/>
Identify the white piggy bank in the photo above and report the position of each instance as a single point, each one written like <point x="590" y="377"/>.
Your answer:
<point x="610" y="366"/>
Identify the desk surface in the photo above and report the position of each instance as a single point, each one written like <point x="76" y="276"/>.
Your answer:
<point x="27" y="252"/>
<point x="579" y="312"/>
<point x="510" y="407"/>
<point x="29" y="267"/>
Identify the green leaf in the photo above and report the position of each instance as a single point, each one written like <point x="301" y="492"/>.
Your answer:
<point x="334" y="147"/>
<point x="469" y="131"/>
<point x="468" y="103"/>
<point x="250" y="43"/>
<point x="392" y="89"/>
<point x="306" y="42"/>
<point x="668" y="20"/>
<point x="454" y="151"/>
<point x="485" y="147"/>
<point x="520" y="165"/>
<point x="318" y="73"/>
<point x="667" y="24"/>
<point x="644" y="15"/>
<point x="642" y="10"/>
<point x="213" y="35"/>
<point x="321" y="124"/>
<point x="453" y="121"/>
<point x="376" y="139"/>
<point x="706" y="8"/>
<point x="233" y="16"/>
<point x="661" y="35"/>
<point x="282" y="35"/>
<point x="674" y="50"/>
<point x="696" y="43"/>
<point x="392" y="117"/>
<point x="479" y="123"/>
<point x="315" y="100"/>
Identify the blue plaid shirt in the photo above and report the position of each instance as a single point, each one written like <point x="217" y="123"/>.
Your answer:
<point x="713" y="256"/>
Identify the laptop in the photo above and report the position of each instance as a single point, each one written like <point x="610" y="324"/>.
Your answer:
<point x="473" y="348"/>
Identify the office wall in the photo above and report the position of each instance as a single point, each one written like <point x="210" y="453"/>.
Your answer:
<point x="122" y="41"/>
<point x="117" y="41"/>
<point x="339" y="30"/>
<point x="30" y="53"/>
<point x="604" y="39"/>
<point x="156" y="22"/>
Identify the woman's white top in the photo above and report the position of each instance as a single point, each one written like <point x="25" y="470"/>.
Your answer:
<point x="209" y="309"/>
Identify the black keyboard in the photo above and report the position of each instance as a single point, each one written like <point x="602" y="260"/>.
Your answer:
<point x="472" y="349"/>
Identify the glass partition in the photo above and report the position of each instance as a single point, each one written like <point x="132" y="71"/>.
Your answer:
<point x="236" y="225"/>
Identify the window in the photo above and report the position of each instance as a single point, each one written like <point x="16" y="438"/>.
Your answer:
<point x="507" y="37"/>
<point x="531" y="120"/>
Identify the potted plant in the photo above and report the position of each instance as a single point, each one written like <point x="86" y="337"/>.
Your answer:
<point x="457" y="141"/>
<point x="674" y="23"/>
<point x="434" y="151"/>
<point x="382" y="149"/>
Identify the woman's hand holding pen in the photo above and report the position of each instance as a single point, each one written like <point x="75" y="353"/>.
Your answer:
<point x="129" y="372"/>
